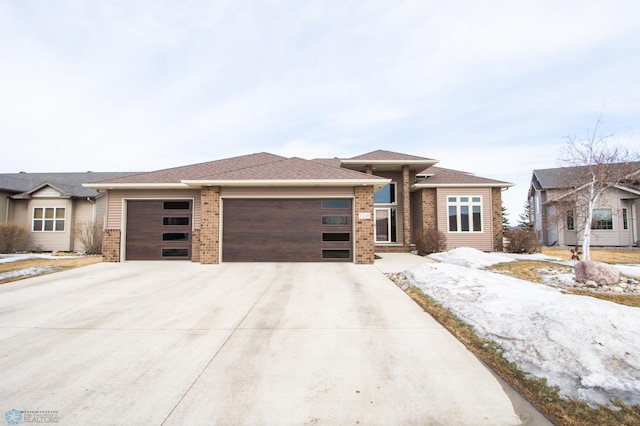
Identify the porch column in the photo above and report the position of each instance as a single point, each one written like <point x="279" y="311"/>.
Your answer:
<point x="406" y="207"/>
<point x="365" y="245"/>
<point x="210" y="225"/>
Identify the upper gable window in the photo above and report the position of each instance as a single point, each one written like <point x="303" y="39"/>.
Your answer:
<point x="48" y="219"/>
<point x="386" y="194"/>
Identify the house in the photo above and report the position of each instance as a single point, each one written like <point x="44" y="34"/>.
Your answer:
<point x="51" y="205"/>
<point x="555" y="216"/>
<point x="264" y="207"/>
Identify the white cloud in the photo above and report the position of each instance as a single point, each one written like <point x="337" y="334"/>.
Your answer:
<point x="483" y="87"/>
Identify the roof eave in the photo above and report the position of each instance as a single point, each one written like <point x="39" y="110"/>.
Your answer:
<point x="462" y="185"/>
<point x="287" y="182"/>
<point x="106" y="185"/>
<point x="415" y="165"/>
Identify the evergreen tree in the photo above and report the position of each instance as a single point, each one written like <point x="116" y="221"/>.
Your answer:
<point x="505" y="220"/>
<point x="525" y="218"/>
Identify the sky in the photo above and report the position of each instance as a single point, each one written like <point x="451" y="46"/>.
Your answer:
<point x="489" y="87"/>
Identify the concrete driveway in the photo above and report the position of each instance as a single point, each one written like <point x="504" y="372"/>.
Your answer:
<point x="180" y="343"/>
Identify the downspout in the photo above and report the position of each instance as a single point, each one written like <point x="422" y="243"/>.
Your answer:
<point x="6" y="213"/>
<point x="93" y="209"/>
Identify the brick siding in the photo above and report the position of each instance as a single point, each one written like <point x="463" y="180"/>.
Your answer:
<point x="496" y="211"/>
<point x="406" y="207"/>
<point x="111" y="245"/>
<point x="429" y="209"/>
<point x="364" y="227"/>
<point x="209" y="225"/>
<point x="195" y="245"/>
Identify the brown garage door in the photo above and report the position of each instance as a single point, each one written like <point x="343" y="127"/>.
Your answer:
<point x="158" y="229"/>
<point x="287" y="230"/>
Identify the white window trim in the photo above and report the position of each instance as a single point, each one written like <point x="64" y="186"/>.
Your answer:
<point x="470" y="204"/>
<point x="613" y="225"/>
<point x="43" y="219"/>
<point x="394" y="185"/>
<point x="389" y="225"/>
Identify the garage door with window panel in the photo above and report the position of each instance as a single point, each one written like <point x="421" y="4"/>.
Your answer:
<point x="287" y="230"/>
<point x="158" y="229"/>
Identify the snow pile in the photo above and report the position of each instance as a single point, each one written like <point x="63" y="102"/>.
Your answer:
<point x="37" y="270"/>
<point x="465" y="256"/>
<point x="588" y="347"/>
<point x="629" y="270"/>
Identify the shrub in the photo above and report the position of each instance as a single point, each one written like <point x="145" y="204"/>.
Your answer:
<point x="13" y="237"/>
<point x="90" y="236"/>
<point x="430" y="240"/>
<point x="522" y="241"/>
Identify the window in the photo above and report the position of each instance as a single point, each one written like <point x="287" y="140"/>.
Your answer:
<point x="336" y="204"/>
<point x="602" y="219"/>
<point x="336" y="254"/>
<point x="175" y="220"/>
<point x="175" y="252"/>
<point x="570" y="221"/>
<point x="385" y="195"/>
<point x="175" y="236"/>
<point x="465" y="214"/>
<point x="48" y="219"/>
<point x="177" y="205"/>
<point x="335" y="220"/>
<point x="335" y="236"/>
<point x="625" y="219"/>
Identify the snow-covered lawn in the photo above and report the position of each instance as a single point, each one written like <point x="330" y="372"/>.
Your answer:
<point x="589" y="348"/>
<point x="4" y="258"/>
<point x="31" y="271"/>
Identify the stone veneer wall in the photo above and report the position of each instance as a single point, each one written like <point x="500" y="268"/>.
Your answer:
<point x="429" y="209"/>
<point x="496" y="211"/>
<point x="111" y="245"/>
<point x="407" y="236"/>
<point x="209" y="235"/>
<point x="364" y="227"/>
<point x="195" y="245"/>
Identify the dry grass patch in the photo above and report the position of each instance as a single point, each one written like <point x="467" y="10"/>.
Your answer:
<point x="58" y="264"/>
<point x="525" y="269"/>
<point x="600" y="255"/>
<point x="545" y="398"/>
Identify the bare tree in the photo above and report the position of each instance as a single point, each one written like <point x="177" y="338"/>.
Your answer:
<point x="90" y="236"/>
<point x="597" y="164"/>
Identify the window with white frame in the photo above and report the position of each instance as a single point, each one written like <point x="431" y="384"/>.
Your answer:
<point x="465" y="213"/>
<point x="48" y="219"/>
<point x="385" y="217"/>
<point x="571" y="223"/>
<point x="602" y="219"/>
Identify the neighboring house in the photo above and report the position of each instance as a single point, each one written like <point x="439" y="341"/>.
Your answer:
<point x="264" y="207"/>
<point x="556" y="219"/>
<point x="50" y="205"/>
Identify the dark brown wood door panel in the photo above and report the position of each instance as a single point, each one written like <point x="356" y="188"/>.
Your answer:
<point x="158" y="233"/>
<point x="284" y="230"/>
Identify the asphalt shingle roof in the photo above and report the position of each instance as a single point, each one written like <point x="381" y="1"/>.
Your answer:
<point x="382" y="155"/>
<point x="261" y="166"/>
<point x="442" y="176"/>
<point x="71" y="183"/>
<point x="569" y="177"/>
